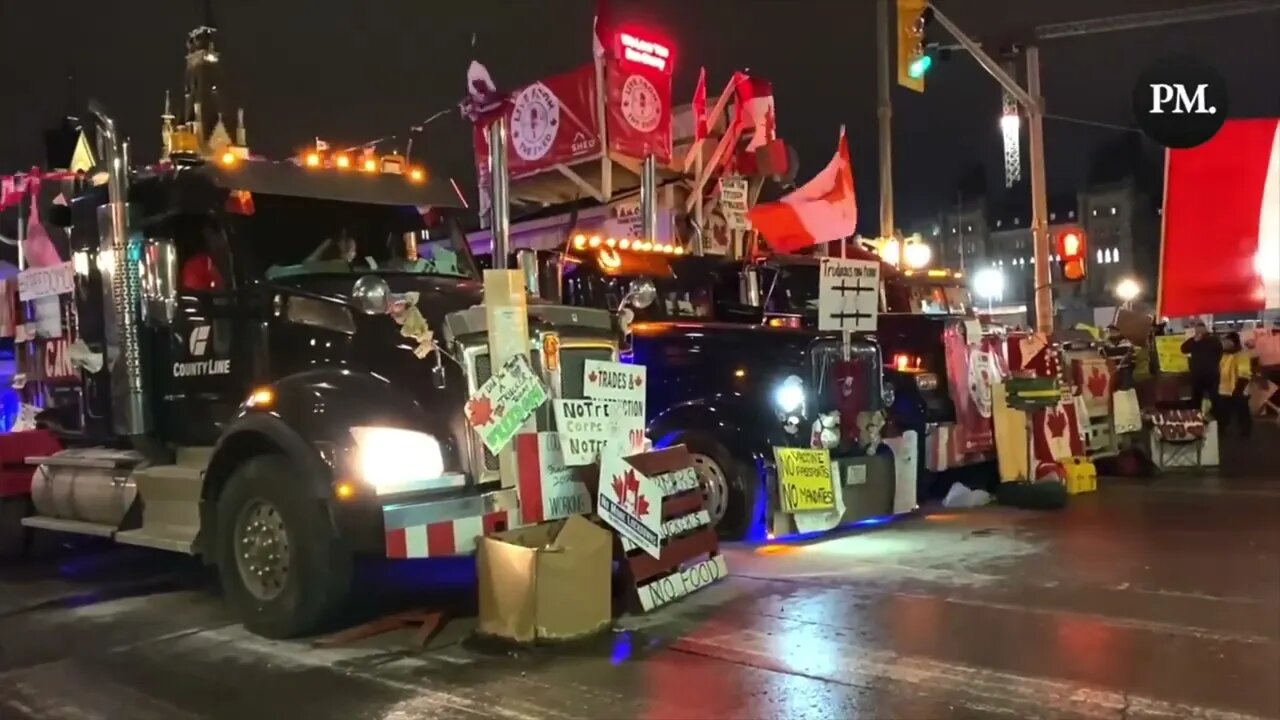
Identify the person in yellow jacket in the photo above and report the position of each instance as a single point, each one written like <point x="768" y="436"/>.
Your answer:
<point x="1235" y="369"/>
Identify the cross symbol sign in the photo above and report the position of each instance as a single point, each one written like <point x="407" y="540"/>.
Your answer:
<point x="844" y="288"/>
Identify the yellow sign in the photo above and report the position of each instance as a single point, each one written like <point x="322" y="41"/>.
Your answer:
<point x="804" y="479"/>
<point x="1169" y="357"/>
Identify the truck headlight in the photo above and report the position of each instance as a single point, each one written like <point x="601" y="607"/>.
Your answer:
<point x="789" y="396"/>
<point x="390" y="458"/>
<point x="927" y="381"/>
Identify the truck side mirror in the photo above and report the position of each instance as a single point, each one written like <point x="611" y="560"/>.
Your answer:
<point x="641" y="293"/>
<point x="371" y="295"/>
<point x="749" y="287"/>
<point x="159" y="281"/>
<point x="527" y="261"/>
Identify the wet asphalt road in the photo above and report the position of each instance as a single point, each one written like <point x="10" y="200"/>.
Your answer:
<point x="1152" y="599"/>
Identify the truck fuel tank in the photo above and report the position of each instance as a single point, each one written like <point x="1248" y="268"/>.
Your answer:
<point x="91" y="485"/>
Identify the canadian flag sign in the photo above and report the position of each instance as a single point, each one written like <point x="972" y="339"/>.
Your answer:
<point x="1221" y="249"/>
<point x="822" y="210"/>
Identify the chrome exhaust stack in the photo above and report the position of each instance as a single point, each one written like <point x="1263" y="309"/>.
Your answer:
<point x="120" y="285"/>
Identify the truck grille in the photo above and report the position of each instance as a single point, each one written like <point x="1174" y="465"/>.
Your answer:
<point x="572" y="363"/>
<point x="825" y="355"/>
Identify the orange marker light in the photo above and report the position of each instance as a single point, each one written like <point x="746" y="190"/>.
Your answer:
<point x="313" y="159"/>
<point x="261" y="397"/>
<point x="417" y="175"/>
<point x="344" y="490"/>
<point x="342" y="161"/>
<point x="228" y="158"/>
<point x="370" y="165"/>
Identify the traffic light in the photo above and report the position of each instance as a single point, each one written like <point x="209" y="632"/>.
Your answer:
<point x="1073" y="255"/>
<point x="914" y="57"/>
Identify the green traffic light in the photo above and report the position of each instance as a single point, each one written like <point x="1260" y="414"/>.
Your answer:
<point x="919" y="66"/>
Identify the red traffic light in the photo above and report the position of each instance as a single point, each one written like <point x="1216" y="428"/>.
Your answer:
<point x="1072" y="244"/>
<point x="1073" y="254"/>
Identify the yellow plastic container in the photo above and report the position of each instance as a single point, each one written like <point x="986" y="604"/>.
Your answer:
<point x="1081" y="475"/>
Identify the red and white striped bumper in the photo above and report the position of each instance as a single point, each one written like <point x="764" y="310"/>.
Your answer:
<point x="447" y="527"/>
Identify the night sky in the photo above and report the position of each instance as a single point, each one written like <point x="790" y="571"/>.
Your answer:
<point x="352" y="70"/>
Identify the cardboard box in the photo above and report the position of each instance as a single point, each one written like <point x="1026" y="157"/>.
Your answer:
<point x="549" y="581"/>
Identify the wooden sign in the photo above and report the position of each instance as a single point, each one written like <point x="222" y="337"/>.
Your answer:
<point x="689" y="558"/>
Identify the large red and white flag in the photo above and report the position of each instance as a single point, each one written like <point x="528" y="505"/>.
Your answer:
<point x="822" y="210"/>
<point x="1221" y="250"/>
<point x="756" y="110"/>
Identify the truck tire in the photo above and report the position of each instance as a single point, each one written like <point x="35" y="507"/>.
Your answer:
<point x="731" y="488"/>
<point x="14" y="538"/>
<point x="281" y="566"/>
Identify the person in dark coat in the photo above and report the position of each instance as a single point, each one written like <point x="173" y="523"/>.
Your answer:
<point x="1203" y="351"/>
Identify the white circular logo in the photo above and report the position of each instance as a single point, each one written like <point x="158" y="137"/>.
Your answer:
<point x="535" y="120"/>
<point x="641" y="105"/>
<point x="981" y="375"/>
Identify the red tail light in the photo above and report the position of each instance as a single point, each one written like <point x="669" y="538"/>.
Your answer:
<point x="240" y="202"/>
<point x="903" y="362"/>
<point x="789" y="321"/>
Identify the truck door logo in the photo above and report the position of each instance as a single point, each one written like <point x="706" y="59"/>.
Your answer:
<point x="198" y="343"/>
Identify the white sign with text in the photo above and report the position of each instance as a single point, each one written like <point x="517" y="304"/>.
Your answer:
<point x="46" y="281"/>
<point x="848" y="295"/>
<point x="585" y="427"/>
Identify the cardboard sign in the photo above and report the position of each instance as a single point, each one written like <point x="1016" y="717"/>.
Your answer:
<point x="630" y="501"/>
<point x="549" y="489"/>
<point x="585" y="427"/>
<point x="683" y="582"/>
<point x="733" y="202"/>
<point x="626" y="385"/>
<point x="46" y="281"/>
<point x="504" y="402"/>
<point x="603" y="380"/>
<point x="804" y="479"/>
<point x="1169" y="357"/>
<point x="848" y="295"/>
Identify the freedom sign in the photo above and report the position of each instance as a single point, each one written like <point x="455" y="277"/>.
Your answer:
<point x="504" y="402"/>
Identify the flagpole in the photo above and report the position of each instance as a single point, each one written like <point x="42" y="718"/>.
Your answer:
<point x="885" y="112"/>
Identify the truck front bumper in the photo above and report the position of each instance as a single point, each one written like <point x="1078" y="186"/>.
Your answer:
<point x="865" y="485"/>
<point x="437" y="526"/>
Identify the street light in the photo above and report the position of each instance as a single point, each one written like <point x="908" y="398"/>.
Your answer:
<point x="989" y="284"/>
<point x="1127" y="290"/>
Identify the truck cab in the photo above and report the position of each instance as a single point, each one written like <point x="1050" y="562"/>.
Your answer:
<point x="730" y="387"/>
<point x="286" y="353"/>
<point x="917" y="310"/>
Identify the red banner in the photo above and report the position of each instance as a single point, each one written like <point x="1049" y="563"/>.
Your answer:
<point x="552" y="122"/>
<point x="638" y="98"/>
<point x="971" y="370"/>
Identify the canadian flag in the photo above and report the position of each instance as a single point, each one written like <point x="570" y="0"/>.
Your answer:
<point x="822" y="210"/>
<point x="700" y="130"/>
<point x="756" y="110"/>
<point x="1221" y="249"/>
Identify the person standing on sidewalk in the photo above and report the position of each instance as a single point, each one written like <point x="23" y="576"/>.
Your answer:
<point x="1235" y="370"/>
<point x="1203" y="351"/>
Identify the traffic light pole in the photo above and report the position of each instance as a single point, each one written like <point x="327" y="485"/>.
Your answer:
<point x="1033" y="103"/>
<point x="885" y="112"/>
<point x="1039" y="195"/>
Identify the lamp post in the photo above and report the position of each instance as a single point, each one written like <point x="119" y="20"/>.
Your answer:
<point x="1128" y="290"/>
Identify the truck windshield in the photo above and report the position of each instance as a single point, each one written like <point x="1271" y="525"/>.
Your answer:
<point x="296" y="236"/>
<point x="935" y="299"/>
